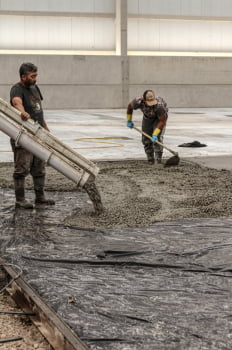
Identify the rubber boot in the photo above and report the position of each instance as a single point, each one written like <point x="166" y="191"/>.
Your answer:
<point x="150" y="158"/>
<point x="39" y="192"/>
<point x="158" y="157"/>
<point x="20" y="195"/>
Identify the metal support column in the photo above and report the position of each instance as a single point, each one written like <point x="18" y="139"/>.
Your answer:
<point x="121" y="47"/>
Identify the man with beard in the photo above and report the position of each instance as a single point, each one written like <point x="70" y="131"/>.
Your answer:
<point x="26" y="97"/>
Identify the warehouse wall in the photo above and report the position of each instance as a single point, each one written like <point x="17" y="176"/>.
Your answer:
<point x="69" y="81"/>
<point x="96" y="81"/>
<point x="161" y="25"/>
<point x="81" y="50"/>
<point x="180" y="26"/>
<point x="184" y="81"/>
<point x="57" y="25"/>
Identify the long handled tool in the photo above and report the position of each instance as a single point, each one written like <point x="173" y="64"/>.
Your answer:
<point x="171" y="161"/>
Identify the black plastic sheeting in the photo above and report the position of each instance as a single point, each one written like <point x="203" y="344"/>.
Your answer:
<point x="167" y="286"/>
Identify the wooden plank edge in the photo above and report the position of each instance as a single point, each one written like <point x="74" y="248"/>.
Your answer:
<point x="52" y="327"/>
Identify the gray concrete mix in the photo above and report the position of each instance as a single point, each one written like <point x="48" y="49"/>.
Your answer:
<point x="154" y="270"/>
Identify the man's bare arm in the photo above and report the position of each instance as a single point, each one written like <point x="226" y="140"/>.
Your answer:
<point x="18" y="104"/>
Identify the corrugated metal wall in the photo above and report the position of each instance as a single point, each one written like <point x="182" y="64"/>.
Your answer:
<point x="211" y="8"/>
<point x="92" y="6"/>
<point x="57" y="25"/>
<point x="180" y="25"/>
<point x="158" y="27"/>
<point x="153" y="25"/>
<point x="56" y="33"/>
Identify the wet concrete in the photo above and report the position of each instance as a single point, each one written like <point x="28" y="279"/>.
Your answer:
<point x="153" y="271"/>
<point x="94" y="195"/>
<point x="135" y="193"/>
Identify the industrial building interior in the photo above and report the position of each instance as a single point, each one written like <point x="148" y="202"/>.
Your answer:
<point x="159" y="284"/>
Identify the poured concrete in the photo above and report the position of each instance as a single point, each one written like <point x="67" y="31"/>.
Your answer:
<point x="142" y="275"/>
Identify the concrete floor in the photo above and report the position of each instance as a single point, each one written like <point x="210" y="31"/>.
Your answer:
<point x="103" y="135"/>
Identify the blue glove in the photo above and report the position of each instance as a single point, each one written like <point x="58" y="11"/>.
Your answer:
<point x="130" y="124"/>
<point x="154" y="138"/>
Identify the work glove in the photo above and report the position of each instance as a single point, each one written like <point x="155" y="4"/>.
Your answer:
<point x="130" y="124"/>
<point x="155" y="135"/>
<point x="154" y="138"/>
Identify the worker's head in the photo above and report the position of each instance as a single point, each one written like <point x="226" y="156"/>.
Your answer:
<point x="149" y="98"/>
<point x="28" y="74"/>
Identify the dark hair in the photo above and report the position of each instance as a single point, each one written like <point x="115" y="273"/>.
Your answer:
<point x="145" y="93"/>
<point x="26" y="68"/>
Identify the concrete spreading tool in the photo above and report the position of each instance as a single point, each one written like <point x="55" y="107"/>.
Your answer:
<point x="171" y="161"/>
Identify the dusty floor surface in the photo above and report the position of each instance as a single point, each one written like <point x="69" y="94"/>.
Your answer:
<point x="134" y="194"/>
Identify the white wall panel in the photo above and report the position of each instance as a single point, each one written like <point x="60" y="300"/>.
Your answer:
<point x="82" y="6"/>
<point x="154" y="7"/>
<point x="51" y="5"/>
<point x="133" y="29"/>
<point x="91" y="6"/>
<point x="172" y="7"/>
<point x="211" y="8"/>
<point x="143" y="35"/>
<point x="56" y="33"/>
<point x="59" y="33"/>
<point x="11" y="32"/>
<point x="104" y="6"/>
<point x="82" y="33"/>
<point x="193" y="8"/>
<point x="12" y="5"/>
<point x="32" y="5"/>
<point x="133" y="7"/>
<point x="38" y="37"/>
<point x="48" y="33"/>
<point x="216" y="8"/>
<point x="95" y="33"/>
<point x="179" y="35"/>
<point x="104" y="34"/>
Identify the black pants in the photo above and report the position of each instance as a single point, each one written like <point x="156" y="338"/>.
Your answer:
<point x="148" y="126"/>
